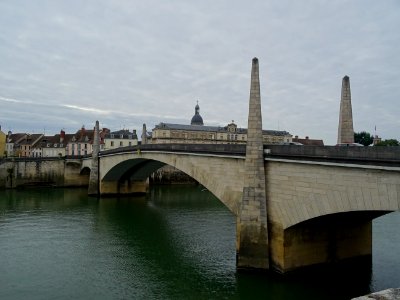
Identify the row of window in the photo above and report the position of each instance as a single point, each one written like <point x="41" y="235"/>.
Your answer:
<point x="121" y="144"/>
<point x="121" y="136"/>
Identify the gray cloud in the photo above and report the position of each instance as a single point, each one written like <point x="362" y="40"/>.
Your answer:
<point x="129" y="63"/>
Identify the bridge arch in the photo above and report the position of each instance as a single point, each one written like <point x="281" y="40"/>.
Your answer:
<point x="85" y="171"/>
<point x="222" y="176"/>
<point x="298" y="192"/>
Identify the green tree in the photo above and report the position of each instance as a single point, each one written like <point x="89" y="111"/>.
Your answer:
<point x="391" y="142"/>
<point x="363" y="138"/>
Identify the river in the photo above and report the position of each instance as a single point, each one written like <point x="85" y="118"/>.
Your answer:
<point x="178" y="242"/>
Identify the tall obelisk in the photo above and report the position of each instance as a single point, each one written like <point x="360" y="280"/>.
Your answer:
<point x="93" y="189"/>
<point x="252" y="230"/>
<point x="345" y="131"/>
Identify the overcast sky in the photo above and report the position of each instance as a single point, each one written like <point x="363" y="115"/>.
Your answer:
<point x="64" y="64"/>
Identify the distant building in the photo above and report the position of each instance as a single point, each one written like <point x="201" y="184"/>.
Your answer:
<point x="81" y="143"/>
<point x="197" y="133"/>
<point x="307" y="141"/>
<point x="120" y="138"/>
<point x="25" y="146"/>
<point x="376" y="140"/>
<point x="12" y="143"/>
<point x="52" y="146"/>
<point x="2" y="144"/>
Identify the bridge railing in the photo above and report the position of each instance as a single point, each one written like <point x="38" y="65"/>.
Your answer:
<point x="228" y="149"/>
<point x="31" y="159"/>
<point x="383" y="156"/>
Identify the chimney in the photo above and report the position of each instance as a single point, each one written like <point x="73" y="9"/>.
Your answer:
<point x="83" y="131"/>
<point x="62" y="136"/>
<point x="144" y="135"/>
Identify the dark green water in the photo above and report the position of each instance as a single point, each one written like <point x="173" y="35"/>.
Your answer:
<point x="176" y="243"/>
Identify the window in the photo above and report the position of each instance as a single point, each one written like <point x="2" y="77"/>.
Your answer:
<point x="85" y="146"/>
<point x="121" y="144"/>
<point x="130" y="143"/>
<point x="121" y="136"/>
<point x="112" y="143"/>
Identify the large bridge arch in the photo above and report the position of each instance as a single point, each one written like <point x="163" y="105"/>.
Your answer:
<point x="223" y="176"/>
<point x="300" y="191"/>
<point x="322" y="212"/>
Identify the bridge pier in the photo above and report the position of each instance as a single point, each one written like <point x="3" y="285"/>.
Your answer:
<point x="125" y="187"/>
<point x="93" y="189"/>
<point x="252" y="229"/>
<point x="322" y="241"/>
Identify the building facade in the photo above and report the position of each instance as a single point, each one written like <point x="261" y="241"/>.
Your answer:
<point x="81" y="143"/>
<point x="307" y="141"/>
<point x="197" y="133"/>
<point x="25" y="146"/>
<point x="2" y="144"/>
<point x="120" y="138"/>
<point x="52" y="146"/>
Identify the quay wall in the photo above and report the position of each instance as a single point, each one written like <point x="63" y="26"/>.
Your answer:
<point x="57" y="172"/>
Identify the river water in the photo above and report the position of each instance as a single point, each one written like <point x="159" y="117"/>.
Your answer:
<point x="178" y="242"/>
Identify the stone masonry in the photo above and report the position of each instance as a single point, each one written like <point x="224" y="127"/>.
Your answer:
<point x="252" y="231"/>
<point x="94" y="170"/>
<point x="345" y="131"/>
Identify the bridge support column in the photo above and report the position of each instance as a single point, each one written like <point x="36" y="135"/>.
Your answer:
<point x="252" y="230"/>
<point x="345" y="130"/>
<point x="93" y="188"/>
<point x="126" y="187"/>
<point x="319" y="242"/>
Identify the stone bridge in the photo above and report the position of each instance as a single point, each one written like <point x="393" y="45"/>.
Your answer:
<point x="320" y="200"/>
<point x="294" y="206"/>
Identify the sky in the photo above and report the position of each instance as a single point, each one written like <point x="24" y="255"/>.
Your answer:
<point x="64" y="64"/>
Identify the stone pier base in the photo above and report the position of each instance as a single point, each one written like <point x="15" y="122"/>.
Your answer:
<point x="389" y="294"/>
<point x="126" y="187"/>
<point x="318" y="242"/>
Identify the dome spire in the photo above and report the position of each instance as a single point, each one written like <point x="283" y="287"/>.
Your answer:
<point x="197" y="119"/>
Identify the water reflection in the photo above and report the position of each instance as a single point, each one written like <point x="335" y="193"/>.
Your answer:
<point x="175" y="243"/>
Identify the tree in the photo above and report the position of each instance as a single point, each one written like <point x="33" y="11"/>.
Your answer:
<point x="391" y="142"/>
<point x="363" y="138"/>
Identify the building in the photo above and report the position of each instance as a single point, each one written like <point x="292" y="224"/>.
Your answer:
<point x="307" y="141"/>
<point x="52" y="146"/>
<point x="120" y="138"/>
<point x="24" y="147"/>
<point x="376" y="140"/>
<point x="12" y="143"/>
<point x="2" y="144"/>
<point x="81" y="143"/>
<point x="197" y="133"/>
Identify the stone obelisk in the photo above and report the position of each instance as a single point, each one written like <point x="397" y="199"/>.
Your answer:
<point x="345" y="131"/>
<point x="93" y="189"/>
<point x="252" y="230"/>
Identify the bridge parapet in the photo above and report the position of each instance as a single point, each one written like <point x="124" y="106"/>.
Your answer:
<point x="379" y="156"/>
<point x="231" y="149"/>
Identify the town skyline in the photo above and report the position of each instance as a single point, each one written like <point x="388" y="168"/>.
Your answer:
<point x="69" y="64"/>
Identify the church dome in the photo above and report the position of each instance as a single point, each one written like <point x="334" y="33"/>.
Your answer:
<point x="197" y="119"/>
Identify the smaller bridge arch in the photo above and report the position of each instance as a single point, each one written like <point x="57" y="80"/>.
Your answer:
<point x="221" y="174"/>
